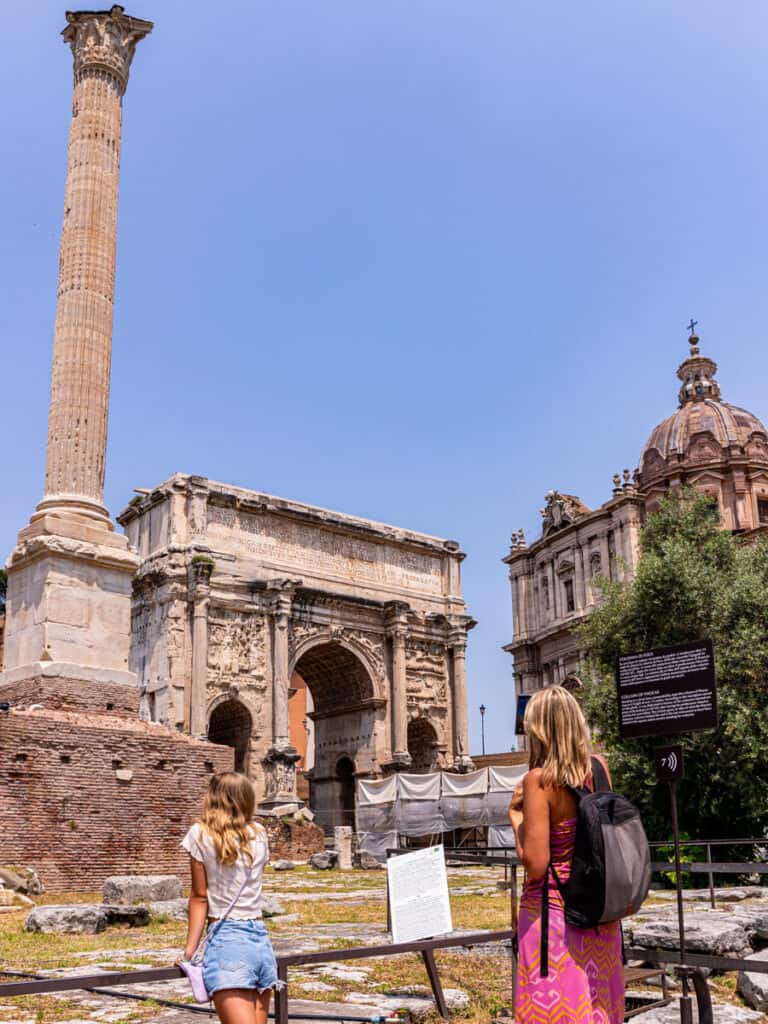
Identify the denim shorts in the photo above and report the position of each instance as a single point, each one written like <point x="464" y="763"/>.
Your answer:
<point x="239" y="955"/>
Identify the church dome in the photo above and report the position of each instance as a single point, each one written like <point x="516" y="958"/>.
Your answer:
<point x="705" y="429"/>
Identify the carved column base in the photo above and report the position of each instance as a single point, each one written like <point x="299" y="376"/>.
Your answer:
<point x="401" y="762"/>
<point x="463" y="764"/>
<point x="280" y="772"/>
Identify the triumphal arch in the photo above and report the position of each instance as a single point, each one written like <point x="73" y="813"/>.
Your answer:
<point x="239" y="593"/>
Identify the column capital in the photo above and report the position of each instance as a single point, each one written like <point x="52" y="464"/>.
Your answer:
<point x="396" y="619"/>
<point x="104" y="41"/>
<point x="201" y="570"/>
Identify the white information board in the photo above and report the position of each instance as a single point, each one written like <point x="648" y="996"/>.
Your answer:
<point x="418" y="895"/>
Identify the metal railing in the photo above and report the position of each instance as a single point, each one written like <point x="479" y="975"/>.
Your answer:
<point x="103" y="983"/>
<point x="710" y="867"/>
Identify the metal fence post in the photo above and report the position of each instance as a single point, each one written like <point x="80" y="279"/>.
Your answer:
<point x="711" y="878"/>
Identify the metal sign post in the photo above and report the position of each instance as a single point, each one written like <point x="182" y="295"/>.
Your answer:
<point x="663" y="692"/>
<point x="669" y="769"/>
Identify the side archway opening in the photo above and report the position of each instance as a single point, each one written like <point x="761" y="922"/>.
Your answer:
<point x="230" y="724"/>
<point x="422" y="745"/>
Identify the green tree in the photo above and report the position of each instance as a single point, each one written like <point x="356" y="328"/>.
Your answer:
<point x="3" y="589"/>
<point x="694" y="580"/>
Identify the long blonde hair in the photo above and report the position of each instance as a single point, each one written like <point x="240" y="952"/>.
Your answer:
<point x="228" y="808"/>
<point x="558" y="738"/>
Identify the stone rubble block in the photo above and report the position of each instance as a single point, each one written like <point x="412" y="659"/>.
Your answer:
<point x="270" y="907"/>
<point x="754" y="918"/>
<point x="418" y="1005"/>
<point x="368" y="862"/>
<point x="84" y="918"/>
<point x="323" y="861"/>
<point x="141" y="888"/>
<point x="722" y="1013"/>
<point x="722" y="895"/>
<point x="706" y="931"/>
<point x="284" y="810"/>
<point x="356" y="974"/>
<point x="283" y="865"/>
<point x="23" y="880"/>
<point x="176" y="910"/>
<point x="752" y="986"/>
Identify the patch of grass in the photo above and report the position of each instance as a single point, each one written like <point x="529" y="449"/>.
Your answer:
<point x="41" y="1009"/>
<point x="23" y="950"/>
<point x="336" y="912"/>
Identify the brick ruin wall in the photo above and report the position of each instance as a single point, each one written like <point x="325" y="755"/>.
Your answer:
<point x="289" y="840"/>
<point x="59" y="694"/>
<point x="87" y="796"/>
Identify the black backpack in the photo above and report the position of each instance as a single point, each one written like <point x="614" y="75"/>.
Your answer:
<point x="611" y="868"/>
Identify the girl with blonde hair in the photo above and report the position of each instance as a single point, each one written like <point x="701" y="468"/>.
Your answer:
<point x="228" y="852"/>
<point x="584" y="983"/>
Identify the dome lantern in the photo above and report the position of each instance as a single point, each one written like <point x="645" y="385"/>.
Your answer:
<point x="697" y="374"/>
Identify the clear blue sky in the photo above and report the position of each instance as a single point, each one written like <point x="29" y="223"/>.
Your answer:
<point x="415" y="261"/>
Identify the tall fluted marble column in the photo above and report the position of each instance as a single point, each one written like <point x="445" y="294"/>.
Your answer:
<point x="102" y="45"/>
<point x="69" y="579"/>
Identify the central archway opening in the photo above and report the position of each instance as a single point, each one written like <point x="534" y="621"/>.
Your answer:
<point x="338" y="734"/>
<point x="230" y="725"/>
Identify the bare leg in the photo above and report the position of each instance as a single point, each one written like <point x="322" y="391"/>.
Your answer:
<point x="262" y="1006"/>
<point x="242" y="1005"/>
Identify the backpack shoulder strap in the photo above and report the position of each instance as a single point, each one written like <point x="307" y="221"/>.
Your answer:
<point x="600" y="776"/>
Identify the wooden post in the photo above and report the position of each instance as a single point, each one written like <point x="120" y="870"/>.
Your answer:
<point x="434" y="980"/>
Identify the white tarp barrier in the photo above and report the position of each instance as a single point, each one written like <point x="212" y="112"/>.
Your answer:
<point x="419" y="812"/>
<point x="377" y="791"/>
<point x="419" y="787"/>
<point x="505" y="776"/>
<point x="465" y="785"/>
<point x="501" y="837"/>
<point x="426" y="805"/>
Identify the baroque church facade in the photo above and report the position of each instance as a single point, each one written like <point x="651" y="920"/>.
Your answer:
<point x="707" y="443"/>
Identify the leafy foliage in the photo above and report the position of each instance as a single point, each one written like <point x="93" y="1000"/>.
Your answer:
<point x="3" y="589"/>
<point x="694" y="580"/>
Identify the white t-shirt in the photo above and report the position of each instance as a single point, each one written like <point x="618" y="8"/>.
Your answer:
<point x="224" y="880"/>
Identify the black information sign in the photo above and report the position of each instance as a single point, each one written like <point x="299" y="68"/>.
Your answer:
<point x="667" y="690"/>
<point x="669" y="763"/>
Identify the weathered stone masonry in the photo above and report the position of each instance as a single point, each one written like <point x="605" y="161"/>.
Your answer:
<point x="238" y="590"/>
<point x="87" y="796"/>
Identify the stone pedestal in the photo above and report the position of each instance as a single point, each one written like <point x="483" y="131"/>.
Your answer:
<point x="68" y="609"/>
<point x="342" y="841"/>
<point x="280" y="779"/>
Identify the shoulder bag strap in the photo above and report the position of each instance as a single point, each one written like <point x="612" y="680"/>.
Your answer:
<point x="544" y="946"/>
<point x="209" y="935"/>
<point x="600" y="776"/>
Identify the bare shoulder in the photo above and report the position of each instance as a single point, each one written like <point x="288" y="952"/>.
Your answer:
<point x="533" y="786"/>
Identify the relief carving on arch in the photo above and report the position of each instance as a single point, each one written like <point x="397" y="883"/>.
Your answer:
<point x="298" y="634"/>
<point x="426" y="668"/>
<point x="373" y="648"/>
<point x="236" y="648"/>
<point x="368" y="646"/>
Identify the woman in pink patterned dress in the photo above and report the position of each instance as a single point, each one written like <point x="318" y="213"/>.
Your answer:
<point x="585" y="980"/>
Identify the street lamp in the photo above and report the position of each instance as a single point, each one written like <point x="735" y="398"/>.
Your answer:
<point x="482" y="726"/>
